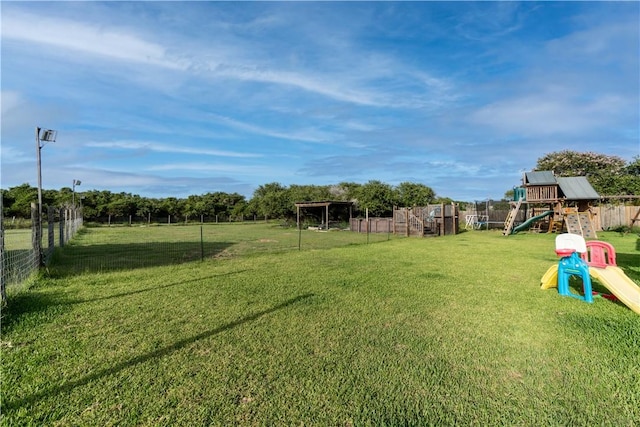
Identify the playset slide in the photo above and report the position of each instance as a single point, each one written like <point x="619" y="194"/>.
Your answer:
<point x="600" y="260"/>
<point x="614" y="279"/>
<point x="530" y="221"/>
<point x="550" y="278"/>
<point x="611" y="277"/>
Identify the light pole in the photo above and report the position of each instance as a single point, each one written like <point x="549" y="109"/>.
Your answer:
<point x="42" y="137"/>
<point x="75" y="182"/>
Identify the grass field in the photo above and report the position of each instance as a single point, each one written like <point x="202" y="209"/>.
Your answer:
<point x="434" y="331"/>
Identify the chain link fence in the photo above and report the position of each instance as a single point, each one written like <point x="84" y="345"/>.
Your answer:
<point x="24" y="250"/>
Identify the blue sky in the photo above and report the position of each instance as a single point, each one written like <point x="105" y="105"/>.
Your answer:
<point x="177" y="98"/>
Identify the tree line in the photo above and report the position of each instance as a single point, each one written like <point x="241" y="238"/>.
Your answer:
<point x="609" y="175"/>
<point x="269" y="201"/>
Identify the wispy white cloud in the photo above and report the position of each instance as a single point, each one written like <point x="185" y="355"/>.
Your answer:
<point x="306" y="135"/>
<point x="548" y="114"/>
<point x="220" y="168"/>
<point x="490" y="21"/>
<point x="598" y="41"/>
<point x="120" y="44"/>
<point x="166" y="148"/>
<point x="66" y="34"/>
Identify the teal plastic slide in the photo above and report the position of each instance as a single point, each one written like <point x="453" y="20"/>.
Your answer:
<point x="530" y="221"/>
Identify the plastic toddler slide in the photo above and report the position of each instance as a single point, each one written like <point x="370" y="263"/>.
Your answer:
<point x="614" y="279"/>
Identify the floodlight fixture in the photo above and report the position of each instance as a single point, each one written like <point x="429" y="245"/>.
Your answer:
<point x="48" y="135"/>
<point x="75" y="182"/>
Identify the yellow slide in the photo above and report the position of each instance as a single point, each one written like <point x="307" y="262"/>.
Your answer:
<point x="550" y="278"/>
<point x="614" y="279"/>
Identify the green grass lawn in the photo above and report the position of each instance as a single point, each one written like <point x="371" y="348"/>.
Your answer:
<point x="434" y="331"/>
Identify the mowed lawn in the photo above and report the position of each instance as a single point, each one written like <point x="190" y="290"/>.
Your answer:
<point x="401" y="331"/>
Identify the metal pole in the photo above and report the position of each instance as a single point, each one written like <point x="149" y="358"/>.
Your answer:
<point x="39" y="169"/>
<point x="38" y="234"/>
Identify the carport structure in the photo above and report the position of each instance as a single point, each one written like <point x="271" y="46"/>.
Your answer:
<point x="324" y="209"/>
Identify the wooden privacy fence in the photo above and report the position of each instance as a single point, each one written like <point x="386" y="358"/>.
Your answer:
<point x="606" y="217"/>
<point x="613" y="216"/>
<point x="376" y="225"/>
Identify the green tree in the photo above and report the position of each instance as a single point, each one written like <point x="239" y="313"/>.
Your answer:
<point x="609" y="175"/>
<point x="411" y="194"/>
<point x="272" y="201"/>
<point x="173" y="207"/>
<point x="194" y="206"/>
<point x="17" y="200"/>
<point x="119" y="207"/>
<point x="574" y="163"/>
<point x="345" y="191"/>
<point x="633" y="168"/>
<point x="308" y="193"/>
<point x="240" y="210"/>
<point x="378" y="197"/>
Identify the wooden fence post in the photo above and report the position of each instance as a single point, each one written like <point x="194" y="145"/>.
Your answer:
<point x="36" y="233"/>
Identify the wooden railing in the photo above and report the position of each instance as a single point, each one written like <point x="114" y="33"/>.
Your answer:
<point x="416" y="224"/>
<point x="542" y="193"/>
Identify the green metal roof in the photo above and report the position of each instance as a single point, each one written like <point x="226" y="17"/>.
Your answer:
<point x="540" y="178"/>
<point x="571" y="187"/>
<point x="577" y="188"/>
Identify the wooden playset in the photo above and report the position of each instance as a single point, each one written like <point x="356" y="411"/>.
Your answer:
<point x="553" y="204"/>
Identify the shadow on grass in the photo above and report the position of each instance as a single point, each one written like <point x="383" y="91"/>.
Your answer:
<point x="153" y="288"/>
<point x="22" y="304"/>
<point x="71" y="259"/>
<point x="67" y="387"/>
<point x="25" y="303"/>
<point x="625" y="261"/>
<point x="616" y="332"/>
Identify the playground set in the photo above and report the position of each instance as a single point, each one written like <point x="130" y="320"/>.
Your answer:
<point x="424" y="221"/>
<point x="587" y="259"/>
<point x="554" y="204"/>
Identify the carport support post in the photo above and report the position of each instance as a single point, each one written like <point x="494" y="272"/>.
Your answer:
<point x="299" y="229"/>
<point x="367" y="216"/>
<point x="327" y="217"/>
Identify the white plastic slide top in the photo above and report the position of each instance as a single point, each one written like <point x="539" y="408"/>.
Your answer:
<point x="572" y="242"/>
